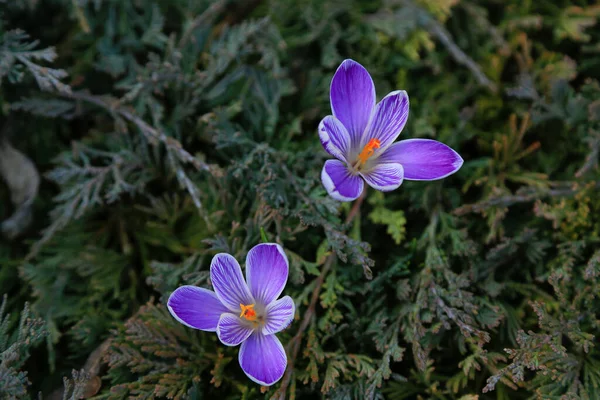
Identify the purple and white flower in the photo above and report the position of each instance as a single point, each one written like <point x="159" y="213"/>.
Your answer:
<point x="360" y="135"/>
<point x="243" y="312"/>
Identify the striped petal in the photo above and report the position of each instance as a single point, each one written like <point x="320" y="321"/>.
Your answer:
<point x="228" y="282"/>
<point x="423" y="159"/>
<point x="266" y="272"/>
<point x="196" y="307"/>
<point x="339" y="182"/>
<point x="334" y="137"/>
<point x="391" y="114"/>
<point x="263" y="358"/>
<point x="352" y="95"/>
<point x="232" y="330"/>
<point x="384" y="177"/>
<point x="279" y="314"/>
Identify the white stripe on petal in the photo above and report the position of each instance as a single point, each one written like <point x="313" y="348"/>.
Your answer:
<point x="423" y="159"/>
<point x="334" y="137"/>
<point x="390" y="116"/>
<point x="266" y="272"/>
<point x="384" y="177"/>
<point x="339" y="182"/>
<point x="232" y="330"/>
<point x="263" y="358"/>
<point x="352" y="95"/>
<point x="228" y="282"/>
<point x="196" y="307"/>
<point x="279" y="315"/>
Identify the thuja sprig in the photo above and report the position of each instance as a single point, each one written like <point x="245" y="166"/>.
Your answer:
<point x="14" y="350"/>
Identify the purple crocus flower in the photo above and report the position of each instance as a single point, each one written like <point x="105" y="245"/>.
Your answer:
<point x="243" y="312"/>
<point x="360" y="135"/>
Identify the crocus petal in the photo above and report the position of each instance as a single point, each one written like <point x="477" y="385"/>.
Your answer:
<point x="263" y="358"/>
<point x="279" y="315"/>
<point x="388" y="120"/>
<point x="339" y="182"/>
<point x="232" y="330"/>
<point x="423" y="159"/>
<point x="334" y="137"/>
<point x="266" y="272"/>
<point x="228" y="282"/>
<point x="352" y="96"/>
<point x="384" y="177"/>
<point x="196" y="307"/>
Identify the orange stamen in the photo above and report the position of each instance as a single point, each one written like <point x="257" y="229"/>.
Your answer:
<point x="368" y="150"/>
<point x="248" y="312"/>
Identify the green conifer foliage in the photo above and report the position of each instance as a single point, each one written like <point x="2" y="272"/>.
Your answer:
<point x="146" y="136"/>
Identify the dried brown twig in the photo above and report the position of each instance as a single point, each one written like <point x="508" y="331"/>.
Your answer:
<point x="152" y="134"/>
<point x="459" y="56"/>
<point x="205" y="18"/>
<point x="176" y="154"/>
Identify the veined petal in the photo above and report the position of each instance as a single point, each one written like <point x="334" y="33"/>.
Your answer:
<point x="339" y="182"/>
<point x="384" y="177"/>
<point x="232" y="330"/>
<point x="279" y="315"/>
<point x="352" y="95"/>
<point x="196" y="307"/>
<point x="423" y="159"/>
<point x="263" y="358"/>
<point x="334" y="137"/>
<point x="228" y="282"/>
<point x="390" y="116"/>
<point x="266" y="272"/>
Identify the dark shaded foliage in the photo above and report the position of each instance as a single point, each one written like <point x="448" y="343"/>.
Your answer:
<point x="168" y="131"/>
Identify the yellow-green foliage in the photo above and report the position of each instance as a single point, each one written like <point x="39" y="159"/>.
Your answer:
<point x="394" y="220"/>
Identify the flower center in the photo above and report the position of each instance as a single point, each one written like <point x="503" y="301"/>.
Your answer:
<point x="368" y="150"/>
<point x="248" y="312"/>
